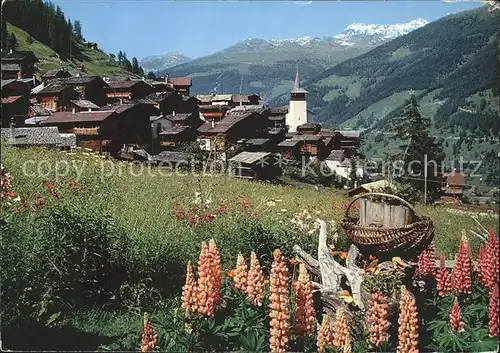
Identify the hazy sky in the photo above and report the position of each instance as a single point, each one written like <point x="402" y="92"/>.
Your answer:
<point x="198" y="28"/>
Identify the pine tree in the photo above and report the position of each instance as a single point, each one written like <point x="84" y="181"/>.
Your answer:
<point x="353" y="176"/>
<point x="413" y="130"/>
<point x="12" y="41"/>
<point x="135" y="66"/>
<point x="151" y="75"/>
<point x="5" y="43"/>
<point x="77" y="31"/>
<point x="120" y="57"/>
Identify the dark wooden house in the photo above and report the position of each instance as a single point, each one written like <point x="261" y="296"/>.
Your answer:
<point x="181" y="85"/>
<point x="454" y="185"/>
<point x="15" y="109"/>
<point x="15" y="87"/>
<point x="18" y="64"/>
<point x="105" y="130"/>
<point x="176" y="135"/>
<point x="91" y="88"/>
<point x="232" y="128"/>
<point x="254" y="165"/>
<point x="310" y="144"/>
<point x="308" y="129"/>
<point x="53" y="74"/>
<point x="56" y="97"/>
<point x="290" y="149"/>
<point x="246" y="99"/>
<point x="129" y="89"/>
<point x="347" y="141"/>
<point x="166" y="102"/>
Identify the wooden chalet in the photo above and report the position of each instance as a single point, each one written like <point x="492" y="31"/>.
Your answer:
<point x="176" y="135"/>
<point x="347" y="141"/>
<point x="246" y="99"/>
<point x="259" y="145"/>
<point x="232" y="128"/>
<point x="91" y="88"/>
<point x="54" y="74"/>
<point x="310" y="145"/>
<point x="453" y="186"/>
<point x="189" y="104"/>
<point x="18" y="64"/>
<point x="277" y="117"/>
<point x="309" y="129"/>
<point x="290" y="149"/>
<point x="166" y="102"/>
<point x="213" y="113"/>
<point x="14" y="87"/>
<point x="127" y="89"/>
<point x="106" y="130"/>
<point x="56" y="97"/>
<point x="15" y="109"/>
<point x="181" y="85"/>
<point x="253" y="165"/>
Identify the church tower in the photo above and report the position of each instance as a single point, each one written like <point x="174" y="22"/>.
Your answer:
<point x="297" y="114"/>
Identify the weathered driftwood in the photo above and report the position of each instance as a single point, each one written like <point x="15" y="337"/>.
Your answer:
<point x="331" y="274"/>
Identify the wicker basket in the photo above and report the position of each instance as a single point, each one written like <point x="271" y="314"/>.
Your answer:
<point x="408" y="238"/>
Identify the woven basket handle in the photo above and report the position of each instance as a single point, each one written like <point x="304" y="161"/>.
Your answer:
<point x="406" y="203"/>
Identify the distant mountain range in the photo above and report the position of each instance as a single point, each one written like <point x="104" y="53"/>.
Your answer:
<point x="451" y="63"/>
<point x="161" y="62"/>
<point x="267" y="67"/>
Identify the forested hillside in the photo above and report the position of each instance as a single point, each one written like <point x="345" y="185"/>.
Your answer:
<point x="58" y="42"/>
<point x="451" y="63"/>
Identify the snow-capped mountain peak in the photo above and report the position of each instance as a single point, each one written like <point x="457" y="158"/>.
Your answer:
<point x="356" y="31"/>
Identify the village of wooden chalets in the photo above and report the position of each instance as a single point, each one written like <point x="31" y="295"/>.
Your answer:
<point x="146" y="120"/>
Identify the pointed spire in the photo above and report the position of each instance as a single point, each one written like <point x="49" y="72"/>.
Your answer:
<point x="296" y="85"/>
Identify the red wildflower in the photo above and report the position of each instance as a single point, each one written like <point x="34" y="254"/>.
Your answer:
<point x="461" y="274"/>
<point x="443" y="278"/>
<point x="492" y="261"/>
<point x="293" y="262"/>
<point x="493" y="313"/>
<point x="456" y="323"/>
<point x="71" y="182"/>
<point x="49" y="186"/>
<point x="16" y="212"/>
<point x="230" y="273"/>
<point x="75" y="187"/>
<point x="245" y="203"/>
<point x="426" y="262"/>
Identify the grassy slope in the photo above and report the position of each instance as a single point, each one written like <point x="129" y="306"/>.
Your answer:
<point x="143" y="204"/>
<point x="94" y="61"/>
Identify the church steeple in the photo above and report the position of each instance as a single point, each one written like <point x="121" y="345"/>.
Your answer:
<point x="296" y="85"/>
<point x="297" y="114"/>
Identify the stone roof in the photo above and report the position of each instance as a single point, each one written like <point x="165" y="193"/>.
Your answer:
<point x="180" y="81"/>
<point x="350" y="133"/>
<point x="171" y="156"/>
<point x="84" y="103"/>
<point x="69" y="117"/>
<point x="32" y="136"/>
<point x="39" y="110"/>
<point x="10" y="99"/>
<point x="250" y="157"/>
<point x="174" y="130"/>
<point x="289" y="143"/>
<point x="19" y="55"/>
<point x="11" y="67"/>
<point x="336" y="155"/>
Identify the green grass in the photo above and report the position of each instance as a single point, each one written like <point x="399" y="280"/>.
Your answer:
<point x="144" y="204"/>
<point x="94" y="61"/>
<point x="133" y="212"/>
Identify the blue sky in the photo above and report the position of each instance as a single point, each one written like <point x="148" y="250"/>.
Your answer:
<point x="198" y="28"/>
